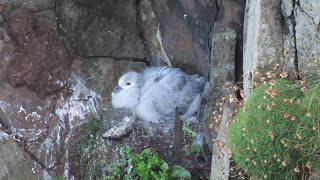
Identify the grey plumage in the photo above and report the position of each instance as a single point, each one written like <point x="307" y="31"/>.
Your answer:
<point x="154" y="94"/>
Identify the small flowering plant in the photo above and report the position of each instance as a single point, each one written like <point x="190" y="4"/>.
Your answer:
<point x="276" y="134"/>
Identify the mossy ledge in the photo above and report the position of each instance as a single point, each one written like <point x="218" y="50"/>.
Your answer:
<point x="276" y="134"/>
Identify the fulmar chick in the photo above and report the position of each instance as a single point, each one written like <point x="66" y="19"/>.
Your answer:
<point x="154" y="94"/>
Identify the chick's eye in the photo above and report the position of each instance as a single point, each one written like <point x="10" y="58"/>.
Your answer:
<point x="128" y="83"/>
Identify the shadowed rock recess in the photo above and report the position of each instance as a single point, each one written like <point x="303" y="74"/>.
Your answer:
<point x="61" y="59"/>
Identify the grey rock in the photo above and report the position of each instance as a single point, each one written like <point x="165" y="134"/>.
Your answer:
<point x="102" y="74"/>
<point x="307" y="36"/>
<point x="311" y="8"/>
<point x="149" y="27"/>
<point x="287" y="7"/>
<point x="47" y="18"/>
<point x="35" y="5"/>
<point x="289" y="39"/>
<point x="222" y="75"/>
<point x="5" y="51"/>
<point x="221" y="154"/>
<point x="39" y="60"/>
<point x="263" y="39"/>
<point x="124" y="120"/>
<point x="231" y="13"/>
<point x="98" y="28"/>
<point x="15" y="163"/>
<point x="1" y="19"/>
<point x="199" y="140"/>
<point x="222" y="72"/>
<point x="188" y="45"/>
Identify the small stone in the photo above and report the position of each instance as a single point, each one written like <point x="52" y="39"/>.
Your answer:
<point x="125" y="119"/>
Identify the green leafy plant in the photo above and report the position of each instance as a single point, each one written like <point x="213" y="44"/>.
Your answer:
<point x="276" y="134"/>
<point x="145" y="165"/>
<point x="188" y="132"/>
<point x="196" y="149"/>
<point x="95" y="164"/>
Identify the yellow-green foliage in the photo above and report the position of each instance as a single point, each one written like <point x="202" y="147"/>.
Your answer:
<point x="276" y="134"/>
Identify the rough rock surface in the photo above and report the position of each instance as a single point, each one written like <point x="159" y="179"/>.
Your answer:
<point x="39" y="60"/>
<point x="60" y="60"/>
<point x="141" y="33"/>
<point x="301" y="22"/>
<point x="262" y="38"/>
<point x="15" y="163"/>
<point x="222" y="79"/>
<point x="101" y="28"/>
<point x="121" y="123"/>
<point x="307" y="35"/>
<point x="231" y="13"/>
<point x="285" y="32"/>
<point x="289" y="41"/>
<point x="188" y="45"/>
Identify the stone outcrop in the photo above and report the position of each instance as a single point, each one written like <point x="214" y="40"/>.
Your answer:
<point x="301" y="33"/>
<point x="219" y="110"/>
<point x="101" y="29"/>
<point x="15" y="163"/>
<point x="60" y="61"/>
<point x="284" y="32"/>
<point x="262" y="38"/>
<point x="39" y="60"/>
<point x="188" y="46"/>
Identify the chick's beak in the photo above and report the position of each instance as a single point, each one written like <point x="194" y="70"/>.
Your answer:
<point x="117" y="89"/>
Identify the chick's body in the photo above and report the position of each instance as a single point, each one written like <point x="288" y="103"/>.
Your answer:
<point x="154" y="94"/>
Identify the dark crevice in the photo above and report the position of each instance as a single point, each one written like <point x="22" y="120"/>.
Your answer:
<point x="295" y="41"/>
<point x="285" y="22"/>
<point x="210" y="39"/>
<point x="238" y="73"/>
<point x="218" y="9"/>
<point x="139" y="27"/>
<point x="59" y="30"/>
<point x="210" y="35"/>
<point x="138" y="21"/>
<point x="142" y="31"/>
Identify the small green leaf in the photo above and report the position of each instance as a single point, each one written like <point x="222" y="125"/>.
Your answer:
<point x="164" y="167"/>
<point x="180" y="173"/>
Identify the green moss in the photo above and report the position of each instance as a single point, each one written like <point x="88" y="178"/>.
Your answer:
<point x="89" y="148"/>
<point x="311" y="103"/>
<point x="271" y="135"/>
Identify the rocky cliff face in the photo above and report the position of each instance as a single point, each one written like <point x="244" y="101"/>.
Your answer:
<point x="60" y="59"/>
<point x="286" y="32"/>
<point x="282" y="34"/>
